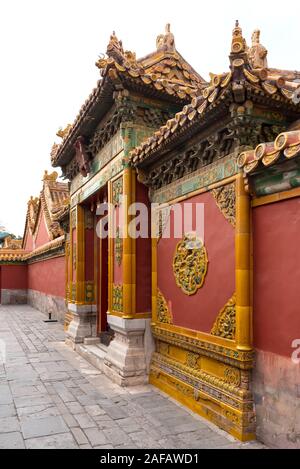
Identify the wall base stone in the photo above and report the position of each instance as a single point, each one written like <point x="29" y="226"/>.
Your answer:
<point x="276" y="390"/>
<point x="82" y="325"/>
<point x="127" y="361"/>
<point x="13" y="297"/>
<point x="48" y="304"/>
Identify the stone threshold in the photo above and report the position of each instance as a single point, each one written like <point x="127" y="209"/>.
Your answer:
<point x="94" y="352"/>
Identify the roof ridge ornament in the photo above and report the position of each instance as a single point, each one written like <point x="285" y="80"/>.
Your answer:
<point x="50" y="177"/>
<point x="63" y="133"/>
<point x="257" y="53"/>
<point x="166" y="42"/>
<point x="238" y="43"/>
<point x="115" y="48"/>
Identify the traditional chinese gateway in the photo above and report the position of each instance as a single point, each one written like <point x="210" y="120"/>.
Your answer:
<point x="211" y="322"/>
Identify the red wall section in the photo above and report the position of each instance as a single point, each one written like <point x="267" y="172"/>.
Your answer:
<point x="118" y="269"/>
<point x="48" y="276"/>
<point x="276" y="234"/>
<point x="42" y="234"/>
<point x="29" y="242"/>
<point x="143" y="256"/>
<point x="200" y="310"/>
<point x="89" y="254"/>
<point x="13" y="277"/>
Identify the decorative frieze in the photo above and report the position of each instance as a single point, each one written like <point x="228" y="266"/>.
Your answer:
<point x="117" y="190"/>
<point x="225" y="200"/>
<point x="190" y="264"/>
<point x="73" y="291"/>
<point x="73" y="219"/>
<point x="229" y="355"/>
<point x="212" y="389"/>
<point x="89" y="292"/>
<point x="118" y="247"/>
<point x="117" y="298"/>
<point x="88" y="219"/>
<point x="164" y="315"/>
<point x="232" y="376"/>
<point x="200" y="179"/>
<point x="192" y="359"/>
<point x="225" y="323"/>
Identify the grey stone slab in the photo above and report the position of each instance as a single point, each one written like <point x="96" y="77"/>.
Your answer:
<point x="55" y="376"/>
<point x="94" y="410"/>
<point x="18" y="390"/>
<point x="84" y="399"/>
<point x="7" y="410"/>
<point x="45" y="426"/>
<point x="129" y="425"/>
<point x="5" y="395"/>
<point x="63" y="392"/>
<point x="96" y="437"/>
<point x="11" y="440"/>
<point x="79" y="436"/>
<point x="61" y="441"/>
<point x="75" y="407"/>
<point x="27" y="401"/>
<point x="84" y="420"/>
<point x="21" y="373"/>
<point x="107" y="424"/>
<point x="117" y="436"/>
<point x="116" y="413"/>
<point x="70" y="421"/>
<point x="50" y="411"/>
<point x="9" y="424"/>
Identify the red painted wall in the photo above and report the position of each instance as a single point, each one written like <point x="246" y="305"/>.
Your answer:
<point x="89" y="254"/>
<point x="29" y="241"/>
<point x="48" y="276"/>
<point x="13" y="277"/>
<point x="200" y="310"/>
<point x="276" y="308"/>
<point x="118" y="269"/>
<point x="143" y="256"/>
<point x="42" y="234"/>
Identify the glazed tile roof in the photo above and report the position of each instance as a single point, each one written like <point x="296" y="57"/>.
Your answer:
<point x="163" y="73"/>
<point x="20" y="255"/>
<point x="11" y="255"/>
<point x="54" y="244"/>
<point x="54" y="199"/>
<point x="285" y="147"/>
<point x="278" y="85"/>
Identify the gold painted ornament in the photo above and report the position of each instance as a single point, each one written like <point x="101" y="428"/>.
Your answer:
<point x="164" y="315"/>
<point x="225" y="324"/>
<point x="190" y="264"/>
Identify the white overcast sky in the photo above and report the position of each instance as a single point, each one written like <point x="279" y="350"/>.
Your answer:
<point x="48" y="51"/>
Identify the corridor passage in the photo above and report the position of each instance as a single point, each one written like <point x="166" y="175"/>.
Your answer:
<point x="50" y="397"/>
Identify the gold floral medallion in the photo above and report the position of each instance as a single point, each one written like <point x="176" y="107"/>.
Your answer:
<point x="190" y="264"/>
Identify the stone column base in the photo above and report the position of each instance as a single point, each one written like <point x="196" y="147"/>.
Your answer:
<point x="127" y="358"/>
<point x="83" y="323"/>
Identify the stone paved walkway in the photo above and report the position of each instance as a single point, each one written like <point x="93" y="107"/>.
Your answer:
<point x="50" y="397"/>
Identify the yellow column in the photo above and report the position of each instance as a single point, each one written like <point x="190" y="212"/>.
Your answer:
<point x="243" y="268"/>
<point x="128" y="250"/>
<point x="80" y="298"/>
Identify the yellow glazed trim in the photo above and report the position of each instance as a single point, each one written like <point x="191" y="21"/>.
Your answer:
<point x="279" y="196"/>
